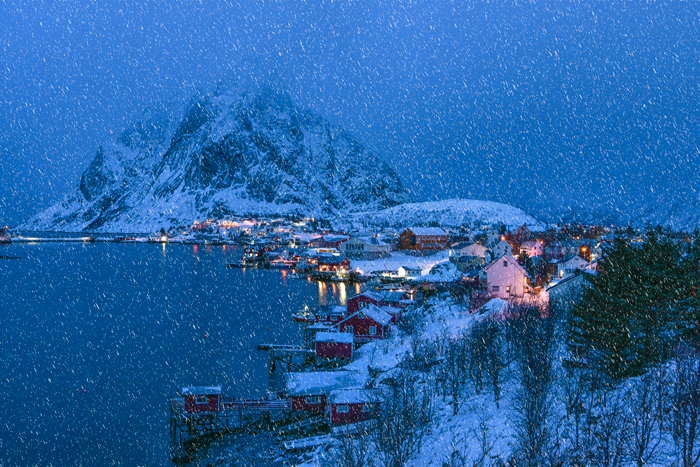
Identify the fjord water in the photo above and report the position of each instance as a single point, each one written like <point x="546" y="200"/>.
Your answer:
<point x="96" y="337"/>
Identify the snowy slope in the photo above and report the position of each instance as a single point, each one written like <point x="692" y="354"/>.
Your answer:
<point x="243" y="148"/>
<point x="447" y="213"/>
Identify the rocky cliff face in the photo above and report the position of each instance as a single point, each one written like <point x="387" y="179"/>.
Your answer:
<point x="244" y="148"/>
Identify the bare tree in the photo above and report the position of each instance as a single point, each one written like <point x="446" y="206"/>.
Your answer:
<point x="610" y="433"/>
<point x="645" y="416"/>
<point x="404" y="410"/>
<point x="494" y="360"/>
<point x="686" y="407"/>
<point x="573" y="385"/>
<point x="455" y="368"/>
<point x="532" y="399"/>
<point x="350" y="452"/>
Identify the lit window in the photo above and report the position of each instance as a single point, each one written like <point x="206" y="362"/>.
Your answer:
<point x="201" y="399"/>
<point x="342" y="409"/>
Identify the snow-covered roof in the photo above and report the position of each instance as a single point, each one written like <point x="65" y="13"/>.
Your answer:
<point x="337" y="337"/>
<point x="309" y="383"/>
<point x="427" y="231"/>
<point x="510" y="259"/>
<point x="350" y="396"/>
<point x="390" y="309"/>
<point x="381" y="317"/>
<point x="201" y="390"/>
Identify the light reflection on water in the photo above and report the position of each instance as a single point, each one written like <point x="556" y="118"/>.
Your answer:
<point x="130" y="324"/>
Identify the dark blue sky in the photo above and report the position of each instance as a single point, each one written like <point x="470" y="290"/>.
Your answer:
<point x="590" y="103"/>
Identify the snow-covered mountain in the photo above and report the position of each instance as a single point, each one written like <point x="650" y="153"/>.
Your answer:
<point x="447" y="213"/>
<point x="243" y="148"/>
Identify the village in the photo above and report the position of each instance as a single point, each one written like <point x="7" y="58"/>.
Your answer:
<point x="328" y="381"/>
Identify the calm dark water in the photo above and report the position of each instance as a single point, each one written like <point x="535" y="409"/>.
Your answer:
<point x="127" y="323"/>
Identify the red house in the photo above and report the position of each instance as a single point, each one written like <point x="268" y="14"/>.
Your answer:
<point x="423" y="239"/>
<point x="200" y="399"/>
<point x="331" y="315"/>
<point x="309" y="391"/>
<point x="334" y="345"/>
<point x="333" y="263"/>
<point x="350" y="406"/>
<point x="367" y="324"/>
<point x="328" y="241"/>
<point x="362" y="300"/>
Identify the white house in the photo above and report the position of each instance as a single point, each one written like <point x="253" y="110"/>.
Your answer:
<point x="570" y="265"/>
<point x="504" y="278"/>
<point x="532" y="248"/>
<point x="474" y="249"/>
<point x="367" y="248"/>
<point x="502" y="248"/>
<point x="407" y="271"/>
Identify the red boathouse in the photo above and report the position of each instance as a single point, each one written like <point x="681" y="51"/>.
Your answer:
<point x="200" y="399"/>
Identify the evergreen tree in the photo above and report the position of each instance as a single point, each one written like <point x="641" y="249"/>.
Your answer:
<point x="635" y="309"/>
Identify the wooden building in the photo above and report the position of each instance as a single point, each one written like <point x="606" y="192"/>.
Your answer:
<point x="332" y="264"/>
<point x="334" y="345"/>
<point x="350" y="406"/>
<point x="368" y="324"/>
<point x="200" y="399"/>
<point x="309" y="390"/>
<point x="423" y="239"/>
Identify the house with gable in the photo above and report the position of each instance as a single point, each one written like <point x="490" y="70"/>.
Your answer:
<point x="570" y="265"/>
<point x="502" y="248"/>
<point x="532" y="248"/>
<point x="367" y="324"/>
<point x="504" y="278"/>
<point x="419" y="239"/>
<point x="309" y="390"/>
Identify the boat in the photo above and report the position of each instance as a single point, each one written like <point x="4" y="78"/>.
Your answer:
<point x="296" y="275"/>
<point x="303" y="316"/>
<point x="236" y="264"/>
<point x="5" y="240"/>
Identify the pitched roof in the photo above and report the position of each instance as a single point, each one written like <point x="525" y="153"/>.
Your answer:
<point x="503" y="258"/>
<point x="427" y="231"/>
<point x="331" y="259"/>
<point x="381" y="317"/>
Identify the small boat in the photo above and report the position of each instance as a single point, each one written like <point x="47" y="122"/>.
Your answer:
<point x="303" y="316"/>
<point x="296" y="275"/>
<point x="236" y="264"/>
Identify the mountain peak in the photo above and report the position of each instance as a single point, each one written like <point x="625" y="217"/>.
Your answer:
<point x="242" y="148"/>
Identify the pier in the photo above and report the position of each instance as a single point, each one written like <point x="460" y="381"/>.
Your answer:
<point x="201" y="411"/>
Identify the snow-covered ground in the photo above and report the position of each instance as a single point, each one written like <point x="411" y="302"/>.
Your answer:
<point x="398" y="259"/>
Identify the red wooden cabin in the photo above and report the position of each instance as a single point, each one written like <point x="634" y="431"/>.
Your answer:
<point x="333" y="263"/>
<point x="308" y="391"/>
<point x="334" y="345"/>
<point x="423" y="238"/>
<point x="367" y="324"/>
<point x="350" y="406"/>
<point x="200" y="399"/>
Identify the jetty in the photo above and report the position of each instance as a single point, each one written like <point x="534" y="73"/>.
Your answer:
<point x="204" y="410"/>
